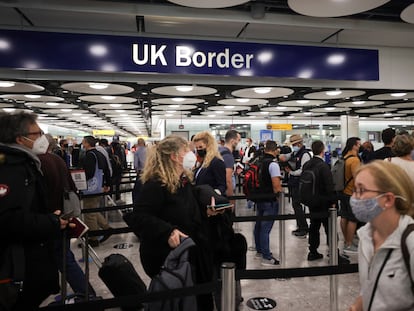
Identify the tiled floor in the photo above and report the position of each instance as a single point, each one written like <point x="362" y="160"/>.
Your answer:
<point x="308" y="293"/>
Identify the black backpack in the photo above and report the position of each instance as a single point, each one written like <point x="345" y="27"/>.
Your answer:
<point x="309" y="184"/>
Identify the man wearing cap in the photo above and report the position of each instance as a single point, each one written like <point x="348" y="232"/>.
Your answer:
<point x="297" y="159"/>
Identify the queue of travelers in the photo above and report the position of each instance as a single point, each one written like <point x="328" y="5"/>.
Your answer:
<point x="377" y="199"/>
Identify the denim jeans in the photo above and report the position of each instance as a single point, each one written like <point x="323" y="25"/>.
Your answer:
<point x="262" y="228"/>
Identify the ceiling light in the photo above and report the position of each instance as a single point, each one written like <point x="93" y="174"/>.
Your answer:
<point x="168" y="115"/>
<point x="302" y="101"/>
<point x="358" y="102"/>
<point x="329" y="108"/>
<point x="32" y="96"/>
<point x="242" y="100"/>
<point x="178" y="99"/>
<point x="281" y="107"/>
<point x="307" y="113"/>
<point x="7" y="83"/>
<point x="66" y="110"/>
<point x="211" y="115"/>
<point x="98" y="86"/>
<point x="220" y="111"/>
<point x="171" y="111"/>
<point x="108" y="97"/>
<point x="229" y="107"/>
<point x="173" y="106"/>
<point x="264" y="112"/>
<point x="333" y="93"/>
<point x="184" y="88"/>
<point x="262" y="90"/>
<point x="9" y="109"/>
<point x="398" y="94"/>
<point x="115" y="105"/>
<point x="120" y="110"/>
<point x="52" y="104"/>
<point x="290" y="117"/>
<point x="387" y="114"/>
<point x="76" y="114"/>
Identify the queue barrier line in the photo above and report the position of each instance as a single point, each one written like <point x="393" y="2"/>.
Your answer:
<point x="205" y="288"/>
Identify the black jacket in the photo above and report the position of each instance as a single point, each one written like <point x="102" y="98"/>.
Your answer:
<point x="26" y="220"/>
<point x="213" y="175"/>
<point x="325" y="186"/>
<point x="89" y="166"/>
<point x="157" y="213"/>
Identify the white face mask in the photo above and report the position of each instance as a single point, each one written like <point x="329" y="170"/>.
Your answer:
<point x="40" y="145"/>
<point x="189" y="160"/>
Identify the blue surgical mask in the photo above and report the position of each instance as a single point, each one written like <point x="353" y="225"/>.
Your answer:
<point x="295" y="148"/>
<point x="366" y="210"/>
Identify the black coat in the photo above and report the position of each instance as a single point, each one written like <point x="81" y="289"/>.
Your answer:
<point x="25" y="220"/>
<point x="157" y="213"/>
<point x="213" y="175"/>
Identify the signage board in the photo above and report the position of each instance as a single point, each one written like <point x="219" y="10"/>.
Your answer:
<point x="279" y="127"/>
<point x="103" y="132"/>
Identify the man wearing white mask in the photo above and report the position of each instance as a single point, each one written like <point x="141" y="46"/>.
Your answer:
<point x="28" y="226"/>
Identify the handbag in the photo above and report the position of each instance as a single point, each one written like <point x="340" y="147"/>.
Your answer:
<point x="95" y="183"/>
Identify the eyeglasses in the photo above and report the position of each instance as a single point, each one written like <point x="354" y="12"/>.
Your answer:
<point x="361" y="191"/>
<point x="39" y="133"/>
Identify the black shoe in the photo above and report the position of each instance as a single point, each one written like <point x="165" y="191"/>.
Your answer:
<point x="105" y="237"/>
<point x="300" y="233"/>
<point x="314" y="256"/>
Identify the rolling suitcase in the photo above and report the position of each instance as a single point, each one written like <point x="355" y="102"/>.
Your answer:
<point x="121" y="278"/>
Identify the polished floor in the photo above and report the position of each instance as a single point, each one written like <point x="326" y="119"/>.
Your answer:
<point x="306" y="293"/>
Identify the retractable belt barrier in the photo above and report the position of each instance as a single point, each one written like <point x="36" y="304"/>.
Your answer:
<point x="284" y="273"/>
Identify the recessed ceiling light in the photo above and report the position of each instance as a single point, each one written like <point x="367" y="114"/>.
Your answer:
<point x="329" y="108"/>
<point x="242" y="100"/>
<point x="333" y="93"/>
<point x="302" y="101"/>
<point x="290" y="117"/>
<point x="120" y="110"/>
<point x="307" y="113"/>
<point x="220" y="111"/>
<point x="171" y="111"/>
<point x="178" y="99"/>
<point x="229" y="107"/>
<point x="115" y="105"/>
<point x="173" y="106"/>
<point x="32" y="96"/>
<point x="184" y="88"/>
<point x="108" y="97"/>
<point x="98" y="86"/>
<point x="211" y="115"/>
<point x="66" y="110"/>
<point x="281" y="107"/>
<point x="398" y="94"/>
<point x="9" y="109"/>
<point x="262" y="90"/>
<point x="7" y="83"/>
<point x="264" y="112"/>
<point x="52" y="104"/>
<point x="359" y="102"/>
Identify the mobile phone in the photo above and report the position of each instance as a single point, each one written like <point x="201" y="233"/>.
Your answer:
<point x="219" y="207"/>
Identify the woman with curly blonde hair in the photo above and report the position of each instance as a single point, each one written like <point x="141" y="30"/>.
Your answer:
<point x="211" y="170"/>
<point x="168" y="211"/>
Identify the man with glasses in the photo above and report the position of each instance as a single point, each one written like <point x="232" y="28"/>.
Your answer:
<point x="28" y="227"/>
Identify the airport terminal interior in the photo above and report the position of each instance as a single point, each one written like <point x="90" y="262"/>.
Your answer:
<point x="129" y="69"/>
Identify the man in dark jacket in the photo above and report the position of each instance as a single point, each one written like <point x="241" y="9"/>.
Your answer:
<point x="26" y="225"/>
<point x="325" y="195"/>
<point x="94" y="159"/>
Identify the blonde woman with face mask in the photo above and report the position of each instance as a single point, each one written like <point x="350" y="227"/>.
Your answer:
<point x="383" y="197"/>
<point x="168" y="211"/>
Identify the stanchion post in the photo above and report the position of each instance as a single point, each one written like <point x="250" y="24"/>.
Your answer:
<point x="282" y="238"/>
<point x="86" y="252"/>
<point x="333" y="258"/>
<point x="228" y="286"/>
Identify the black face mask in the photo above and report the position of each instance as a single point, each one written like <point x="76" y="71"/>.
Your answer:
<point x="201" y="152"/>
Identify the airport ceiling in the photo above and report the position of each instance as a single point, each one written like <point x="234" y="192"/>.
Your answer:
<point x="128" y="105"/>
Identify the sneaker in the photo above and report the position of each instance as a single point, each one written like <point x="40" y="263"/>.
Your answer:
<point x="351" y="249"/>
<point x="270" y="262"/>
<point x="300" y="233"/>
<point x="314" y="256"/>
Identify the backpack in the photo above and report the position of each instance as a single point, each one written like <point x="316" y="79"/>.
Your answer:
<point x="251" y="179"/>
<point x="405" y="252"/>
<point x="175" y="273"/>
<point x="309" y="182"/>
<point x="338" y="174"/>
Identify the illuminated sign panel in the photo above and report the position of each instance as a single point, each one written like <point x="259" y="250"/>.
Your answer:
<point x="69" y="51"/>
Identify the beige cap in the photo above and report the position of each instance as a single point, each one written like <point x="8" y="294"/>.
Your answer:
<point x="295" y="138"/>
